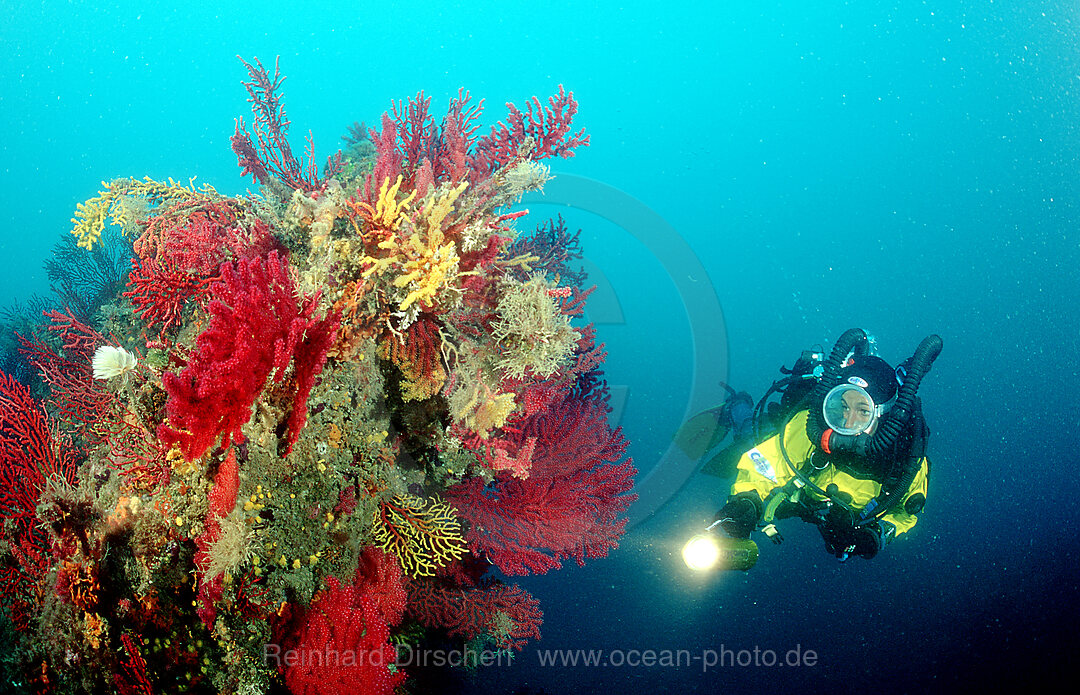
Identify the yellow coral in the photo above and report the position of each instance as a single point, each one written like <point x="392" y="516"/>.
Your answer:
<point x="427" y="265"/>
<point x="431" y="267"/>
<point x="89" y="219"/>
<point x="387" y="211"/>
<point x="442" y="206"/>
<point x="422" y="534"/>
<point x="416" y="386"/>
<point x="94" y="629"/>
<point x="480" y="409"/>
<point x="426" y="261"/>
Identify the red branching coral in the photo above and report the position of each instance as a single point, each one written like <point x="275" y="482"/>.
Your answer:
<point x="388" y="158"/>
<point x="20" y="581"/>
<point x="253" y="600"/>
<point x="340" y="645"/>
<point x="417" y="132"/>
<point x="257" y="325"/>
<point x="222" y="498"/>
<point x="569" y="505"/>
<point x="549" y="128"/>
<point x="132" y="678"/>
<point x="86" y="405"/>
<point x="424" y="154"/>
<point x="451" y="161"/>
<point x="30" y="454"/>
<point x="274" y="156"/>
<point x="417" y="353"/>
<point x="508" y="614"/>
<point x="182" y="248"/>
<point x="79" y="401"/>
<point x="428" y="153"/>
<point x="159" y="292"/>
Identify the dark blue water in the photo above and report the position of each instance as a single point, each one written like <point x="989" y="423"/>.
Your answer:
<point x="911" y="168"/>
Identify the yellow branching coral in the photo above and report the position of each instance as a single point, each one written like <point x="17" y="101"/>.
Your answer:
<point x="426" y="262"/>
<point x="89" y="219"/>
<point x="427" y="268"/>
<point x="417" y="386"/>
<point x="481" y="409"/>
<point x="422" y="534"/>
<point x="441" y="206"/>
<point x="387" y="211"/>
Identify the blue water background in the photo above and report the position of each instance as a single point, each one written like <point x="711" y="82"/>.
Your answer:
<point x="911" y="168"/>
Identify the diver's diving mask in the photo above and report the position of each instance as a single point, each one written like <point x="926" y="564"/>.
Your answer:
<point x="849" y="409"/>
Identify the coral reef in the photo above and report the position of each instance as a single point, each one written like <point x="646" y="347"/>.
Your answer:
<point x="324" y="423"/>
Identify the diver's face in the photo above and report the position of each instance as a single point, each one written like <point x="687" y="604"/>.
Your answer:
<point x="857" y="411"/>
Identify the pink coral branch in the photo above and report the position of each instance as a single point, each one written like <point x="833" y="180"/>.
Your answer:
<point x="274" y="155"/>
<point x="548" y="128"/>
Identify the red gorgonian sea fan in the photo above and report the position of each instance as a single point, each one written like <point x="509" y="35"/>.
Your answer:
<point x="30" y="453"/>
<point x="569" y="505"/>
<point x="509" y="615"/>
<point x="274" y="157"/>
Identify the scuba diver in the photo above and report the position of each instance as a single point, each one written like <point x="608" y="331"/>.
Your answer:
<point x="845" y="450"/>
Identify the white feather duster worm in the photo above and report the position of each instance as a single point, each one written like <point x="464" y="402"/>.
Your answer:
<point x="112" y="361"/>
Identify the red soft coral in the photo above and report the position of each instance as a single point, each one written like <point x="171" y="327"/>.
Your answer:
<point x="257" y="326"/>
<point x="380" y="577"/>
<point x="222" y="499"/>
<point x="339" y="645"/>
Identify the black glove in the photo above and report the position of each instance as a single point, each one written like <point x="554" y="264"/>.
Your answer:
<point x="866" y="541"/>
<point x="740" y="515"/>
<point x="844" y="540"/>
<point x="872" y="538"/>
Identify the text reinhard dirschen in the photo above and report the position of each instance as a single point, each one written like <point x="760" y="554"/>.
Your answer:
<point x="404" y="657"/>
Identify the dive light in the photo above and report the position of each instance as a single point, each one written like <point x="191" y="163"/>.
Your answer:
<point x="710" y="550"/>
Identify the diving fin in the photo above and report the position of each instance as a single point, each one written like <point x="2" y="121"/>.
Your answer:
<point x="698" y="435"/>
<point x="725" y="463"/>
